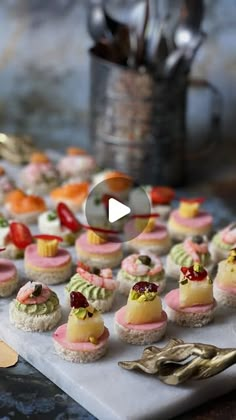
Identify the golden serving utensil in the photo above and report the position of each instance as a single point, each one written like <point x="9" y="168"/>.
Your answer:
<point x="178" y="361"/>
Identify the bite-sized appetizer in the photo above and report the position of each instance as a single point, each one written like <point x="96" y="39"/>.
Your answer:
<point x="14" y="238"/>
<point x="189" y="220"/>
<point x="149" y="235"/>
<point x="84" y="338"/>
<point x="46" y="261"/>
<point x="225" y="281"/>
<point x="8" y="277"/>
<point x="40" y="176"/>
<point x="97" y="285"/>
<point x="222" y="242"/>
<point x="36" y="308"/>
<point x="6" y="184"/>
<point x="142" y="320"/>
<point x="141" y="267"/>
<point x="114" y="183"/>
<point x="193" y="304"/>
<point x="76" y="166"/>
<point x="193" y="249"/>
<point x="61" y="222"/>
<point x="73" y="195"/>
<point x="24" y="208"/>
<point x="97" y="248"/>
<point x="160" y="200"/>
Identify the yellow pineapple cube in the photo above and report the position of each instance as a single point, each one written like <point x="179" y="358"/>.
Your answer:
<point x="189" y="209"/>
<point x="95" y="239"/>
<point x="195" y="292"/>
<point x="226" y="274"/>
<point x="143" y="312"/>
<point x="84" y="330"/>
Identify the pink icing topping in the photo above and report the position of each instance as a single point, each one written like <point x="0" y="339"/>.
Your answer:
<point x="120" y="319"/>
<point x="60" y="336"/>
<point x="32" y="257"/>
<point x="7" y="270"/>
<point x="172" y="300"/>
<point x="201" y="220"/>
<point x="227" y="288"/>
<point x="159" y="233"/>
<point x="106" y="248"/>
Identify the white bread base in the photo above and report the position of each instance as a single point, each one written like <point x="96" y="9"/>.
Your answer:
<point x="125" y="284"/>
<point x="27" y="322"/>
<point x="8" y="287"/>
<point x="49" y="277"/>
<point x="190" y="319"/>
<point x="218" y="254"/>
<point x="139" y="337"/>
<point x="224" y="297"/>
<point x="103" y="261"/>
<point x="180" y="236"/>
<point x="26" y="218"/>
<point x="80" y="356"/>
<point x="11" y="252"/>
<point x="173" y="269"/>
<point x="156" y="249"/>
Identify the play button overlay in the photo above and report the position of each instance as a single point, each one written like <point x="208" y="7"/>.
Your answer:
<point x="116" y="210"/>
<point x="114" y="204"/>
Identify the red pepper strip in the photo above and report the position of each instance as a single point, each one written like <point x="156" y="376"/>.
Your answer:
<point x="97" y="229"/>
<point x="144" y="216"/>
<point x="193" y="200"/>
<point x="67" y="217"/>
<point x="48" y="237"/>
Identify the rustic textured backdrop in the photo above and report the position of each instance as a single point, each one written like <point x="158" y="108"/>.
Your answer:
<point x="44" y="77"/>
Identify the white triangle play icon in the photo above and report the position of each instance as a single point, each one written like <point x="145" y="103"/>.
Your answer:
<point x="116" y="210"/>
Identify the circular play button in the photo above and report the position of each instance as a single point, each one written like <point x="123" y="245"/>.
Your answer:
<point x="115" y="203"/>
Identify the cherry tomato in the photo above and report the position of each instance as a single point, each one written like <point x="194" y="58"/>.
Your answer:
<point x="20" y="235"/>
<point x="162" y="195"/>
<point x="67" y="218"/>
<point x="48" y="237"/>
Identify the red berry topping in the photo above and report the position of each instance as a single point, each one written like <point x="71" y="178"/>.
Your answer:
<point x="77" y="300"/>
<point x="145" y="286"/>
<point x="67" y="218"/>
<point x="145" y="216"/>
<point x="162" y="195"/>
<point x="20" y="235"/>
<point x="193" y="275"/>
<point x="2" y="249"/>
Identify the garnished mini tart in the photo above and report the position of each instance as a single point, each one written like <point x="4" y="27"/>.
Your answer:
<point x="222" y="242"/>
<point x="46" y="261"/>
<point x="192" y="305"/>
<point x="142" y="320"/>
<point x="189" y="220"/>
<point x="97" y="248"/>
<point x="141" y="267"/>
<point x="8" y="277"/>
<point x="193" y="249"/>
<point x="72" y="195"/>
<point x="225" y="281"/>
<point x="36" y="308"/>
<point x="61" y="222"/>
<point x="97" y="285"/>
<point x="14" y="237"/>
<point x="24" y="208"/>
<point x="84" y="338"/>
<point x="6" y="184"/>
<point x="148" y="234"/>
<point x="76" y="166"/>
<point x="40" y="176"/>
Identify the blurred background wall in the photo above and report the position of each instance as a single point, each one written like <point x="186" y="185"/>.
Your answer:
<point x="44" y="69"/>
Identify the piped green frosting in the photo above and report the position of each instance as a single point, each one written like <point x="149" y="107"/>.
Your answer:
<point x="40" y="309"/>
<point x="181" y="258"/>
<point x="157" y="277"/>
<point x="217" y="240"/>
<point x="89" y="290"/>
